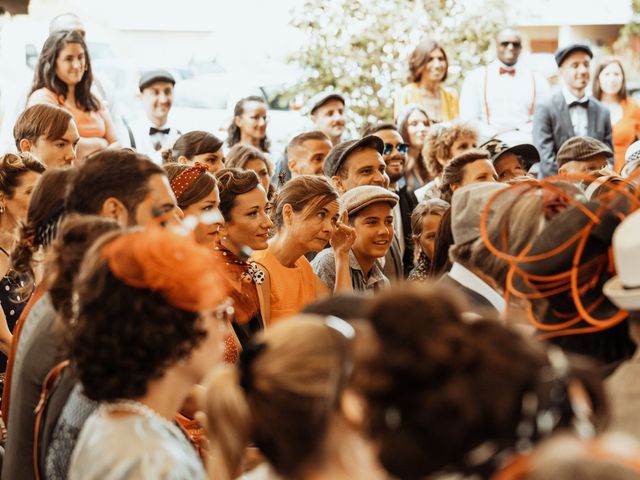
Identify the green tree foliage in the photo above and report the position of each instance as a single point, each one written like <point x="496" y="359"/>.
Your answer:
<point x="360" y="47"/>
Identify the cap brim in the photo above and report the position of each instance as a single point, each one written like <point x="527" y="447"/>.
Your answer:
<point x="624" y="298"/>
<point x="321" y="101"/>
<point x="527" y="152"/>
<point x="391" y="201"/>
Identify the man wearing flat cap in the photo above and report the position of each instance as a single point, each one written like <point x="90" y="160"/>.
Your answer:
<point x="152" y="133"/>
<point x="569" y="112"/>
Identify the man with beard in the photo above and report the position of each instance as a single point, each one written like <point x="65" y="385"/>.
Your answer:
<point x="395" y="157"/>
<point x="500" y="97"/>
<point x="570" y="112"/>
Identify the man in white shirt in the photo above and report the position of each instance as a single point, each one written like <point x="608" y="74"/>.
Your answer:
<point x="152" y="134"/>
<point x="499" y="98"/>
<point x="569" y="112"/>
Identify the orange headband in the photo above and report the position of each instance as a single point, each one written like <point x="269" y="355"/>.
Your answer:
<point x="175" y="266"/>
<point x="184" y="180"/>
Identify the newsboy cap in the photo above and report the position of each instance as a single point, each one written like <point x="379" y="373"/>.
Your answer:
<point x="581" y="149"/>
<point x="321" y="98"/>
<point x="564" y="52"/>
<point x="153" y="76"/>
<point x="338" y="154"/>
<point x="467" y="205"/>
<point x="359" y="198"/>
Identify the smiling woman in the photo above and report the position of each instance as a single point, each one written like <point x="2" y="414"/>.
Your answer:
<point x="64" y="78"/>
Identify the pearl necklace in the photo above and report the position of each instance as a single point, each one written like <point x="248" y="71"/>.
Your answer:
<point x="142" y="410"/>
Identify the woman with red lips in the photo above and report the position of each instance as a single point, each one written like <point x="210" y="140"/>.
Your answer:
<point x="63" y="78"/>
<point x="245" y="209"/>
<point x="305" y="214"/>
<point x="249" y="124"/>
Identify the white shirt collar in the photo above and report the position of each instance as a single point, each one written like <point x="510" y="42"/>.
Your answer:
<point x="570" y="97"/>
<point x="467" y="278"/>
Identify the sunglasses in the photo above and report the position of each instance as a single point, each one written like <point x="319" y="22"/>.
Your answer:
<point x="402" y="148"/>
<point x="515" y="44"/>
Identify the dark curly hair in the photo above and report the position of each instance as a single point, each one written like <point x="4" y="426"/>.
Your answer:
<point x="233" y="132"/>
<point x="46" y="77"/>
<point x="437" y="387"/>
<point x="233" y="182"/>
<point x="124" y="337"/>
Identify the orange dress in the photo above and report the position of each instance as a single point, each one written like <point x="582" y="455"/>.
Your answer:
<point x="291" y="288"/>
<point x="90" y="124"/>
<point x="625" y="131"/>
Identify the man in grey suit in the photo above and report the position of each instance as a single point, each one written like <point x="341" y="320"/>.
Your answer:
<point x="569" y="112"/>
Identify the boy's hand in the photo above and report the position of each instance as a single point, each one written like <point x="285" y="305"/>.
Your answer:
<point x="343" y="237"/>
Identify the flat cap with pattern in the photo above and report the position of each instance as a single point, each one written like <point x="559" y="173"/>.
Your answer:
<point x="581" y="149"/>
<point x="359" y="198"/>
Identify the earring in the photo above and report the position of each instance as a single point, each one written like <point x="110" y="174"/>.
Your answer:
<point x="1" y="209"/>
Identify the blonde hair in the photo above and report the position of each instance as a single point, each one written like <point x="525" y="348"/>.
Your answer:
<point x="289" y="390"/>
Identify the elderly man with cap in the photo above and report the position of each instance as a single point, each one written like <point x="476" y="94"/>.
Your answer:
<point x="466" y="274"/>
<point x="499" y="98"/>
<point x="511" y="162"/>
<point x="152" y="133"/>
<point x="624" y="291"/>
<point x="569" y="112"/>
<point x="583" y="156"/>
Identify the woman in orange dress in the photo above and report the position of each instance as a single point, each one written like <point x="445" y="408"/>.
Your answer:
<point x="305" y="214"/>
<point x="609" y="87"/>
<point x="63" y="78"/>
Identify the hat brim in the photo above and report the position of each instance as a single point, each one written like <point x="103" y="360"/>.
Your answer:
<point x="577" y="48"/>
<point x="153" y="80"/>
<point x="391" y="201"/>
<point x="624" y="298"/>
<point x="316" y="105"/>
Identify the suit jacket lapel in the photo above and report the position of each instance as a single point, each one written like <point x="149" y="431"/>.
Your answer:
<point x="565" y="116"/>
<point x="592" y="113"/>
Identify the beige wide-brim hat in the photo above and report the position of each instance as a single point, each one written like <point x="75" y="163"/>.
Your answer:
<point x="624" y="289"/>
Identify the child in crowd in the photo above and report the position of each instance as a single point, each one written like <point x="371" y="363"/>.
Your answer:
<point x="443" y="144"/>
<point x="370" y="213"/>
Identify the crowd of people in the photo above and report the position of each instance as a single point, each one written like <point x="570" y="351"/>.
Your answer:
<point x="454" y="294"/>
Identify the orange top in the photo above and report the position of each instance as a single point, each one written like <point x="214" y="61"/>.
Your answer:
<point x="625" y="131"/>
<point x="291" y="288"/>
<point x="90" y="124"/>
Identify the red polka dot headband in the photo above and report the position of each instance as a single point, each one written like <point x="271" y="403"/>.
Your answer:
<point x="184" y="180"/>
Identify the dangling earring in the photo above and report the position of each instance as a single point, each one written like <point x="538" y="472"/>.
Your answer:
<point x="1" y="209"/>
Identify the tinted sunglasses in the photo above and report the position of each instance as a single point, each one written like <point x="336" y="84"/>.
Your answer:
<point x="402" y="148"/>
<point x="515" y="44"/>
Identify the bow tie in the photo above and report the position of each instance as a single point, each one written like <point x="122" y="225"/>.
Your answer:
<point x="511" y="72"/>
<point x="154" y="130"/>
<point x="583" y="104"/>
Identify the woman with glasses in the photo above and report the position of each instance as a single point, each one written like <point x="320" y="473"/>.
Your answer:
<point x="428" y="68"/>
<point x="291" y="397"/>
<point x="63" y="78"/>
<point x="249" y="124"/>
<point x="413" y="123"/>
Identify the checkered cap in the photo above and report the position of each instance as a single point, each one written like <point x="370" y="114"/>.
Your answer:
<point x="581" y="149"/>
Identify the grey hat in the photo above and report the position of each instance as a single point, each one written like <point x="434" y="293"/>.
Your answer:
<point x="467" y="206"/>
<point x="338" y="154"/>
<point x="359" y="198"/>
<point x="526" y="151"/>
<point x="581" y="149"/>
<point x="564" y="52"/>
<point x="321" y="98"/>
<point x="153" y="76"/>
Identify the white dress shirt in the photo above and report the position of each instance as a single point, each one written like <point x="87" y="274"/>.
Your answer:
<point x="498" y="102"/>
<point x="579" y="115"/>
<point x="467" y="278"/>
<point x="146" y="143"/>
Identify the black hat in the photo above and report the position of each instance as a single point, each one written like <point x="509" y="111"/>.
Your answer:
<point x="526" y="151"/>
<point x="152" y="76"/>
<point x="564" y="52"/>
<point x="340" y="152"/>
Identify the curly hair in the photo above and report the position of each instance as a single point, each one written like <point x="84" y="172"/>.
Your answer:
<point x="124" y="337"/>
<point x="436" y="390"/>
<point x="437" y="148"/>
<point x="233" y="132"/>
<point x="46" y="77"/>
<point x="77" y="234"/>
<point x="233" y="182"/>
